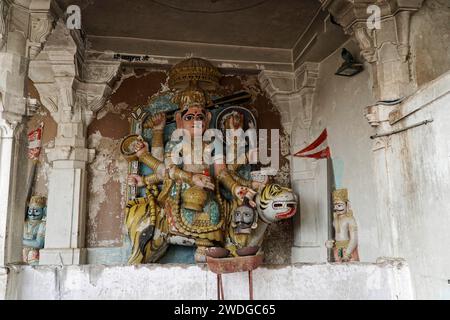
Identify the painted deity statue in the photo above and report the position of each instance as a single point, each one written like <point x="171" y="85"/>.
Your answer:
<point x="34" y="230"/>
<point x="345" y="245"/>
<point x="188" y="196"/>
<point x="188" y="200"/>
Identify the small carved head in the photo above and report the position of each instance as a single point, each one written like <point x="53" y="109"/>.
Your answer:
<point x="340" y="201"/>
<point x="244" y="219"/>
<point x="36" y="208"/>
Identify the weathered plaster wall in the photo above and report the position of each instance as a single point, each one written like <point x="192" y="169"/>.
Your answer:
<point x="388" y="280"/>
<point x="418" y="172"/>
<point x="339" y="107"/>
<point x="108" y="172"/>
<point x="430" y="40"/>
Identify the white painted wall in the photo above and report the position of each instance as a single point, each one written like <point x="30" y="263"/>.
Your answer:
<point x="404" y="187"/>
<point x="418" y="168"/>
<point x="388" y="280"/>
<point x="3" y="282"/>
<point x="339" y="105"/>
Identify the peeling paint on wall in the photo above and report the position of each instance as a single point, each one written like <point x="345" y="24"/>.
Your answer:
<point x="107" y="177"/>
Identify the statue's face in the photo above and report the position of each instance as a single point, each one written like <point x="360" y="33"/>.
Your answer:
<point x="35" y="213"/>
<point x="235" y="121"/>
<point x="340" y="207"/>
<point x="194" y="120"/>
<point x="244" y="217"/>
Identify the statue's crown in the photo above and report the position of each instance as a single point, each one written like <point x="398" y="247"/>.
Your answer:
<point x="340" y="195"/>
<point x="38" y="202"/>
<point x="191" y="97"/>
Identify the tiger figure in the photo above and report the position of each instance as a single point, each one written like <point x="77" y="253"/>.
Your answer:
<point x="273" y="203"/>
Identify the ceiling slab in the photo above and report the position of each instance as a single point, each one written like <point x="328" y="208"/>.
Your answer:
<point x="253" y="23"/>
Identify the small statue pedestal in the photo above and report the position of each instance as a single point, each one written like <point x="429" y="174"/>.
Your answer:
<point x="232" y="265"/>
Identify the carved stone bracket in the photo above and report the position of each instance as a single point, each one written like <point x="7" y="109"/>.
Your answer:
<point x="386" y="48"/>
<point x="42" y="21"/>
<point x="27" y="24"/>
<point x="99" y="78"/>
<point x="292" y="93"/>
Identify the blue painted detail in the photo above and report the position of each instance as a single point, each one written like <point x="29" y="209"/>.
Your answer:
<point x="188" y="214"/>
<point x="178" y="254"/>
<point x="213" y="209"/>
<point x="338" y="171"/>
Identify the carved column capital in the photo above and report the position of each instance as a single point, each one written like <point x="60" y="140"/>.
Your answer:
<point x="27" y="24"/>
<point x="292" y="92"/>
<point x="386" y="47"/>
<point x="279" y="87"/>
<point x="349" y="12"/>
<point x="9" y="126"/>
<point x="99" y="78"/>
<point x="43" y="17"/>
<point x="72" y="89"/>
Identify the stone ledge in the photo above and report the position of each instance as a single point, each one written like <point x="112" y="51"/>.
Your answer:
<point x="389" y="279"/>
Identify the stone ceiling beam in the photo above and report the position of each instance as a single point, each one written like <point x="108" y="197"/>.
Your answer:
<point x="161" y="52"/>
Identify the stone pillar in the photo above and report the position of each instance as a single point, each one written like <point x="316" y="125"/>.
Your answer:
<point x="72" y="89"/>
<point x="293" y="94"/>
<point x="66" y="209"/>
<point x="15" y="29"/>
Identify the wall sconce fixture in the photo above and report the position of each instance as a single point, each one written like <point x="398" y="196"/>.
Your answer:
<point x="350" y="67"/>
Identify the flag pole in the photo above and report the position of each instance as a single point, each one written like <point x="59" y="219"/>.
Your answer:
<point x="32" y="174"/>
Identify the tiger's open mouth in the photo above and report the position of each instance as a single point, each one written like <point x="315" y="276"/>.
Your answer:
<point x="287" y="214"/>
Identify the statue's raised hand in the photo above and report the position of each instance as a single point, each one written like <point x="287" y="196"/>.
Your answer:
<point x="140" y="147"/>
<point x="202" y="181"/>
<point x="243" y="192"/>
<point x="135" y="180"/>
<point x="156" y="121"/>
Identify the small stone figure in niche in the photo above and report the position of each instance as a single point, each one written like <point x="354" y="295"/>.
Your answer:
<point x="34" y="230"/>
<point x="345" y="245"/>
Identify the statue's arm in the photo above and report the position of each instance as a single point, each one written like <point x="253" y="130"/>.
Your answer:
<point x="353" y="234"/>
<point x="241" y="181"/>
<point x="157" y="123"/>
<point x="228" y="181"/>
<point x="38" y="243"/>
<point x="176" y="173"/>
